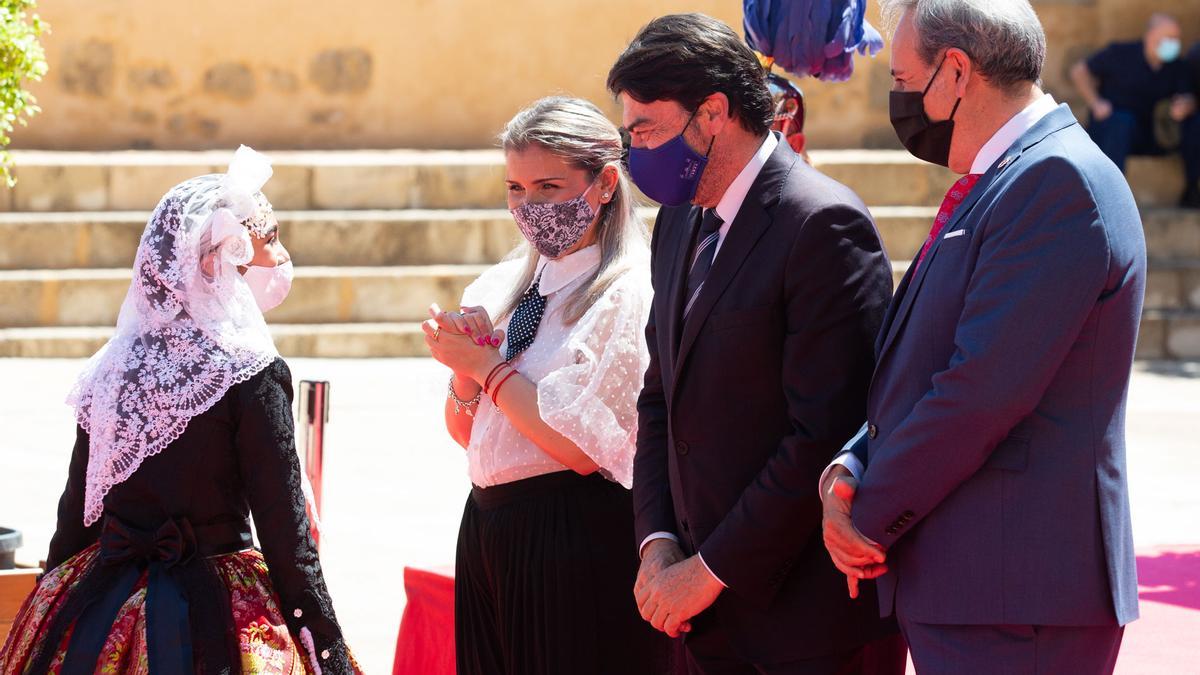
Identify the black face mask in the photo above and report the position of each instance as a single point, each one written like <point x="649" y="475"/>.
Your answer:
<point x="926" y="140"/>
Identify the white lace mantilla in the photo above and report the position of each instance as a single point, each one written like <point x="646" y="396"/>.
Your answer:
<point x="188" y="330"/>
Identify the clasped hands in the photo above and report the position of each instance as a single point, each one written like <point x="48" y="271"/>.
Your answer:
<point x="671" y="588"/>
<point x="854" y="554"/>
<point x="454" y="339"/>
<point x="1182" y="106"/>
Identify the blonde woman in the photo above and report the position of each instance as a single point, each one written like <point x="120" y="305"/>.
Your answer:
<point x="548" y="356"/>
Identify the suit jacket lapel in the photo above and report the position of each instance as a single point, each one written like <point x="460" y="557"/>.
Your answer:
<point x="889" y="316"/>
<point x="1055" y="121"/>
<point x="915" y="281"/>
<point x="753" y="219"/>
<point x="679" y="270"/>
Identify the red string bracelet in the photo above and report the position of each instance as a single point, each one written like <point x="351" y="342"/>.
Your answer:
<point x="496" y="392"/>
<point x="487" y="383"/>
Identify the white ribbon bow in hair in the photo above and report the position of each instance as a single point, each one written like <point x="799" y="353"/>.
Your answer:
<point x="247" y="173"/>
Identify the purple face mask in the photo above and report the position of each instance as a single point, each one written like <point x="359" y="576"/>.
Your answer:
<point x="670" y="173"/>
<point x="556" y="227"/>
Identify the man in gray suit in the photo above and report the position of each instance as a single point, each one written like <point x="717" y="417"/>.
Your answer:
<point x="988" y="491"/>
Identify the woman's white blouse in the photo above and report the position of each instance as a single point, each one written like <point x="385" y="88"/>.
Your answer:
<point x="588" y="374"/>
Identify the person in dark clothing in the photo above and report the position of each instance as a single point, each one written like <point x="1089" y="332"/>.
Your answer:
<point x="1123" y="85"/>
<point x="770" y="284"/>
<point x="184" y="432"/>
<point x="1193" y="61"/>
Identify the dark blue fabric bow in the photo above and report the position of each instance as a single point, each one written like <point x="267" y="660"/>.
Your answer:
<point x="173" y="543"/>
<point x="128" y="552"/>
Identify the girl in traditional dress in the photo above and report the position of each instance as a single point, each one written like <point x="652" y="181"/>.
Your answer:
<point x="185" y="432"/>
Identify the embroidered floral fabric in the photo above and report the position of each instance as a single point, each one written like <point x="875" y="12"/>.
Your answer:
<point x="264" y="643"/>
<point x="555" y="227"/>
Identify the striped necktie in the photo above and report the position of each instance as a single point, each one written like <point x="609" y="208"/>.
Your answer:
<point x="702" y="259"/>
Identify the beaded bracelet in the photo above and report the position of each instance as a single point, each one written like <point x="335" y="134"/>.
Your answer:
<point x="460" y="404"/>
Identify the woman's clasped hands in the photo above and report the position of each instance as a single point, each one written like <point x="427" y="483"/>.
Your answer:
<point x="464" y="341"/>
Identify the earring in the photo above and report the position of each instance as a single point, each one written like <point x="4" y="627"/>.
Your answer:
<point x="604" y="196"/>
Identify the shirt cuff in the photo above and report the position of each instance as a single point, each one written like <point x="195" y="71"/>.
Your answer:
<point x="714" y="575"/>
<point x="846" y="459"/>
<point x="652" y="537"/>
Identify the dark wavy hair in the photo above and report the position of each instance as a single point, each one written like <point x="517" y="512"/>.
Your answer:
<point x="687" y="58"/>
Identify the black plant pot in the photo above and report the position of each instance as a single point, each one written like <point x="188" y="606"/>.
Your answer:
<point x="10" y="541"/>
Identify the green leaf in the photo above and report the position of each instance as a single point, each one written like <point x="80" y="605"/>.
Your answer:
<point x="22" y="60"/>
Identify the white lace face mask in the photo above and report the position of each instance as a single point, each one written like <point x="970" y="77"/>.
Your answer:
<point x="189" y="328"/>
<point x="270" y="285"/>
<point x="553" y="228"/>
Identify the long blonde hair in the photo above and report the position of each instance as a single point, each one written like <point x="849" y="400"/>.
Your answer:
<point x="576" y="131"/>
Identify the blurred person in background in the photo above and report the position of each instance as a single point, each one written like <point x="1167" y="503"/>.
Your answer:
<point x="1133" y="87"/>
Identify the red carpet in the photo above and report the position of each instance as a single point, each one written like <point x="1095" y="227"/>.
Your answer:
<point x="1165" y="641"/>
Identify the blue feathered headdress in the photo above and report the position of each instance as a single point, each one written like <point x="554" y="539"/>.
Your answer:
<point x="811" y="37"/>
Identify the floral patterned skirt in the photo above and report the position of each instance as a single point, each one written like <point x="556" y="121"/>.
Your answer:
<point x="264" y="643"/>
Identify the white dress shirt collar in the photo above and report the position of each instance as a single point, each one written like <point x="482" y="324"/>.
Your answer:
<point x="731" y="201"/>
<point x="557" y="274"/>
<point x="1012" y="131"/>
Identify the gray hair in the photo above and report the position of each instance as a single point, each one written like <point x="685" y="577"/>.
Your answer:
<point x="576" y="130"/>
<point x="1003" y="38"/>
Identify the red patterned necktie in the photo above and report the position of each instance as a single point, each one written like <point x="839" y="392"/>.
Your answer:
<point x="954" y="197"/>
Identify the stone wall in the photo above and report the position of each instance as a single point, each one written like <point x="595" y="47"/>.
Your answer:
<point x="417" y="73"/>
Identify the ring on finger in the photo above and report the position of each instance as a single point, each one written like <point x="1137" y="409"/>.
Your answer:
<point x="436" y="333"/>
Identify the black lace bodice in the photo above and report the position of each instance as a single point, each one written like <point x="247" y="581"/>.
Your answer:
<point x="234" y="461"/>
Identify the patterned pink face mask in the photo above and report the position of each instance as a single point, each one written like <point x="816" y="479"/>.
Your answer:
<point x="554" y="228"/>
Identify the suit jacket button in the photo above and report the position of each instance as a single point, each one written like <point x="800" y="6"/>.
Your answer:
<point x="872" y="431"/>
<point x="891" y="529"/>
<point x="681" y="447"/>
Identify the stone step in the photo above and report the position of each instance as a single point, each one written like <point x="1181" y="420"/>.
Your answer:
<point x="345" y="340"/>
<point x="93" y="297"/>
<point x="416" y="179"/>
<point x="98" y="239"/>
<point x="1165" y="334"/>
<point x="85" y="240"/>
<point x="1173" y="284"/>
<point x="52" y="298"/>
<point x="357" y="179"/>
<point x="1169" y="334"/>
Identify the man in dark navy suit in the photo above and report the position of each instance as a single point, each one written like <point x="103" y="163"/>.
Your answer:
<point x="991" y="484"/>
<point x="770" y="284"/>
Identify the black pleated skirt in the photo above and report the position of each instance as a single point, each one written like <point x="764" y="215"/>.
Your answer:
<point x="544" y="581"/>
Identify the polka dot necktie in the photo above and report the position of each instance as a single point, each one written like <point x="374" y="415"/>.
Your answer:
<point x="525" y="320"/>
<point x="954" y="198"/>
